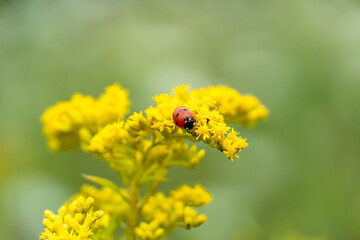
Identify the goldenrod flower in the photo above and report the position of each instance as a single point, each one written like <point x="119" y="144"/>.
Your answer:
<point x="149" y="231"/>
<point x="67" y="124"/>
<point x="73" y="222"/>
<point x="207" y="105"/>
<point x="106" y="199"/>
<point x="196" y="196"/>
<point x="175" y="210"/>
<point x="140" y="150"/>
<point x="125" y="148"/>
<point x="244" y="109"/>
<point x="112" y="204"/>
<point x="210" y="107"/>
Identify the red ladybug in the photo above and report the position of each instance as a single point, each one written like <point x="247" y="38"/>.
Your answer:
<point x="183" y="117"/>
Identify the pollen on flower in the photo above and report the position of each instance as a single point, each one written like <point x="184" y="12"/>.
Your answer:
<point x="66" y="124"/>
<point x="74" y="221"/>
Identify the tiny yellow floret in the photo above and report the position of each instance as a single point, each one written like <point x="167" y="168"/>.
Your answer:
<point x="73" y="222"/>
<point x="237" y="108"/>
<point x="175" y="210"/>
<point x="149" y="231"/>
<point x="66" y="124"/>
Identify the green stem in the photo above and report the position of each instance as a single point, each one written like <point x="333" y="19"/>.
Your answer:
<point x="134" y="201"/>
<point x="150" y="193"/>
<point x="135" y="187"/>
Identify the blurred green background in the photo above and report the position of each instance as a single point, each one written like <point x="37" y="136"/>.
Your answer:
<point x="300" y="58"/>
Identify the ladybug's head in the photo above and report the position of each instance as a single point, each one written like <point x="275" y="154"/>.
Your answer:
<point x="189" y="123"/>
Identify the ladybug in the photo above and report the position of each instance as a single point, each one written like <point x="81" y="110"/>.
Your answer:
<point x="183" y="117"/>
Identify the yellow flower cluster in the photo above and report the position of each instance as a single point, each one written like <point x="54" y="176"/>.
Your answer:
<point x="149" y="231"/>
<point x="237" y="108"/>
<point x="196" y="196"/>
<point x="210" y="126"/>
<point x="106" y="199"/>
<point x="67" y="124"/>
<point x="140" y="150"/>
<point x="162" y="214"/>
<point x="126" y="148"/>
<point x="75" y="221"/>
<point x="113" y="206"/>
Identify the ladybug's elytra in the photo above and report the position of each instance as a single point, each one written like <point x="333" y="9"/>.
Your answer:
<point x="183" y="117"/>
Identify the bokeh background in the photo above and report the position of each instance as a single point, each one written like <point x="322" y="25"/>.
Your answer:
<point x="300" y="58"/>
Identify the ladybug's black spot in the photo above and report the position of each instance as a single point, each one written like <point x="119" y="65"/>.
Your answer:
<point x="177" y="123"/>
<point x="185" y="109"/>
<point x="177" y="114"/>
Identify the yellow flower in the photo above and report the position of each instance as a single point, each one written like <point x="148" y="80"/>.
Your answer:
<point x="207" y="105"/>
<point x="114" y="208"/>
<point x="233" y="144"/>
<point x="107" y="200"/>
<point x="202" y="131"/>
<point x="140" y="150"/>
<point x="67" y="124"/>
<point x="137" y="127"/>
<point x="190" y="218"/>
<point x="175" y="210"/>
<point x="147" y="145"/>
<point x="244" y="109"/>
<point x="73" y="222"/>
<point x="196" y="196"/>
<point x="149" y="231"/>
<point x="110" y="138"/>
